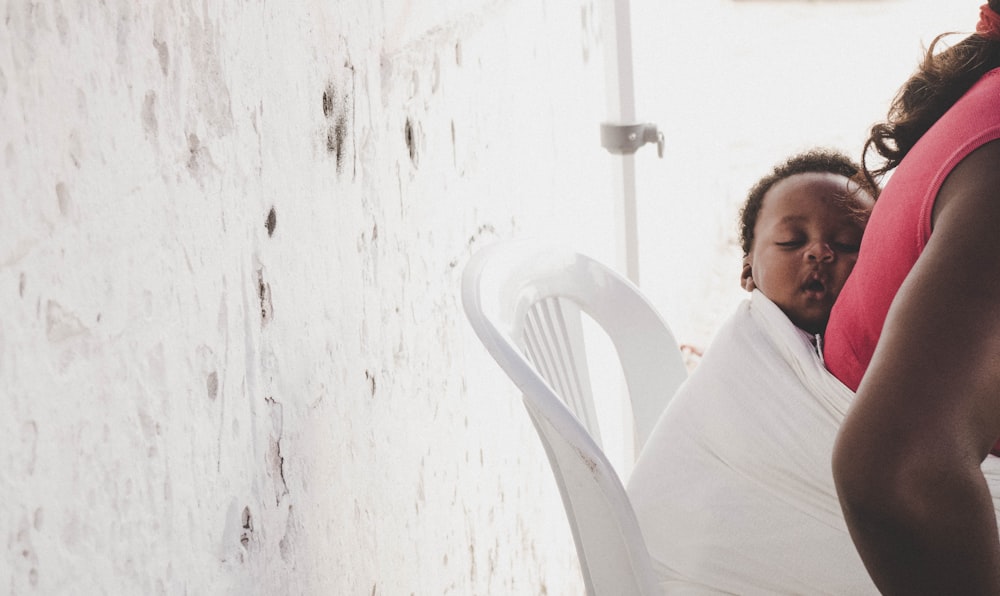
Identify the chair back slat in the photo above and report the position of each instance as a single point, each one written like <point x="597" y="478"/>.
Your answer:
<point x="555" y="329"/>
<point x="526" y="303"/>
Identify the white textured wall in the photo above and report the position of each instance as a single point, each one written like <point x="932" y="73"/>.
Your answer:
<point x="232" y="354"/>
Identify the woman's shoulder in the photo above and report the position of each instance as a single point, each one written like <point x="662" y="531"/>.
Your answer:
<point x="985" y="91"/>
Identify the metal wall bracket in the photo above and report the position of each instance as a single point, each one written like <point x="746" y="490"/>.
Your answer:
<point x="625" y="139"/>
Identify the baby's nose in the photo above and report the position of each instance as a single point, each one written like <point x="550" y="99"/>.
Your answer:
<point x="820" y="251"/>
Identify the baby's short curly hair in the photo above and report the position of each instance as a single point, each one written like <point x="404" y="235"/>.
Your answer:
<point x="820" y="160"/>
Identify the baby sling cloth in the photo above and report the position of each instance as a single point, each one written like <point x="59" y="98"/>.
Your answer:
<point x="733" y="491"/>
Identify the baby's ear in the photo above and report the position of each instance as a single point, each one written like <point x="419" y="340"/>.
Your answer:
<point x="746" y="276"/>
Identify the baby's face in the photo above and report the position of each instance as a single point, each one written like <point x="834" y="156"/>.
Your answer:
<point x="805" y="245"/>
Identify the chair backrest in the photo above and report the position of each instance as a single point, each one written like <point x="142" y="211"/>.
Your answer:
<point x="524" y="300"/>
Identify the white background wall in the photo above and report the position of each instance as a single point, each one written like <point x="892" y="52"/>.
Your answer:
<point x="232" y="355"/>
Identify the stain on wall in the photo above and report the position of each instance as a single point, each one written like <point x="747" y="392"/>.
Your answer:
<point x="264" y="296"/>
<point x="338" y="110"/>
<point x="246" y="523"/>
<point x="212" y="385"/>
<point x="271" y="221"/>
<point x="336" y="134"/>
<point x="410" y="136"/>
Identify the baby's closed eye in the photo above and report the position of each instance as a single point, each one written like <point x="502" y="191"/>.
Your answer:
<point x="792" y="243"/>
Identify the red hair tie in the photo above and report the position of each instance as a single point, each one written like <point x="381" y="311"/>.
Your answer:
<point x="989" y="23"/>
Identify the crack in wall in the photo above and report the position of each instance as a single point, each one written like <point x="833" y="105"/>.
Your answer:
<point x="275" y="460"/>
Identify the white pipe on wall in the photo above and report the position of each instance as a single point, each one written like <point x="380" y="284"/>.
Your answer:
<point x="621" y="108"/>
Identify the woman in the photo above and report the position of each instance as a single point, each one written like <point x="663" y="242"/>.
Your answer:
<point x="916" y="331"/>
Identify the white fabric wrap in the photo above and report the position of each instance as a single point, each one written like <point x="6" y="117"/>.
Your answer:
<point x="733" y="491"/>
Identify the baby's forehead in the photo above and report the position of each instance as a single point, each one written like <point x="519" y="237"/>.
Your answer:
<point x="809" y="186"/>
<point x="816" y="180"/>
<point x="805" y="192"/>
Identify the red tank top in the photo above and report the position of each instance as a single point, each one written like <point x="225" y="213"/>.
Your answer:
<point x="900" y="226"/>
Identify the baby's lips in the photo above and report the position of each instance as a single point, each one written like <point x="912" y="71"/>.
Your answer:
<point x="815" y="284"/>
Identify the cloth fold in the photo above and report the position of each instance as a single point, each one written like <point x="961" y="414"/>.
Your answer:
<point x="733" y="491"/>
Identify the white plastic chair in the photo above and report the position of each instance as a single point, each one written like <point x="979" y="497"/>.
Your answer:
<point x="524" y="301"/>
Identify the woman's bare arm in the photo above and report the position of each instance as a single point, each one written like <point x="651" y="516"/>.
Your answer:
<point x="906" y="462"/>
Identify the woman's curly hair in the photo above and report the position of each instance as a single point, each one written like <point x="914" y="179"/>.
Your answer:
<point x="940" y="80"/>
